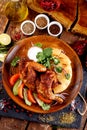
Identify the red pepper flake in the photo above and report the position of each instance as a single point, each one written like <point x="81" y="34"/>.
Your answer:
<point x="80" y="47"/>
<point x="30" y="115"/>
<point x="5" y="110"/>
<point x="50" y="5"/>
<point x="22" y="110"/>
<point x="9" y="107"/>
<point x="17" y="110"/>
<point x="6" y="103"/>
<point x="17" y="36"/>
<point x="14" y="106"/>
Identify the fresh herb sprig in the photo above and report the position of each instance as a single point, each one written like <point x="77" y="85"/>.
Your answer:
<point x="45" y="57"/>
<point x="38" y="44"/>
<point x="15" y="61"/>
<point x="5" y="48"/>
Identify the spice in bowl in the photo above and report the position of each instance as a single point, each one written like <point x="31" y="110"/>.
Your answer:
<point x="54" y="28"/>
<point x="41" y="21"/>
<point x="28" y="27"/>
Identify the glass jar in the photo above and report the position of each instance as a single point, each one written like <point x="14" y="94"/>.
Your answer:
<point x="16" y="10"/>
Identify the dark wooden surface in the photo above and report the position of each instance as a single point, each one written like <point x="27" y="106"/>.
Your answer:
<point x="16" y="124"/>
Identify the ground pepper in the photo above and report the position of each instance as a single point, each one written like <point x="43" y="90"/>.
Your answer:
<point x="54" y="29"/>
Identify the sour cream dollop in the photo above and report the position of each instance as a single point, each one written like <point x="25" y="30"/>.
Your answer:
<point x="32" y="52"/>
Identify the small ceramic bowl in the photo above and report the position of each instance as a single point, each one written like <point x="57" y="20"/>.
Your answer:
<point x="28" y="27"/>
<point x="54" y="28"/>
<point x="41" y="21"/>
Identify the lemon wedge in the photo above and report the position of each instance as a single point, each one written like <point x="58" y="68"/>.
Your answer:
<point x="5" y="39"/>
<point x="2" y="57"/>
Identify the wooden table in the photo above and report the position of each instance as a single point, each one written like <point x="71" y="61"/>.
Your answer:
<point x="14" y="31"/>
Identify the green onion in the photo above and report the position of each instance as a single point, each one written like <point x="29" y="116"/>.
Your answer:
<point x="67" y="75"/>
<point x="59" y="69"/>
<point x="56" y="61"/>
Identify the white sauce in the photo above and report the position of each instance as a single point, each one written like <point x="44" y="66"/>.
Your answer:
<point x="32" y="52"/>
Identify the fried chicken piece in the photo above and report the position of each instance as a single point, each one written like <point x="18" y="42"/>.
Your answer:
<point x="45" y="85"/>
<point x="28" y="72"/>
<point x="36" y="66"/>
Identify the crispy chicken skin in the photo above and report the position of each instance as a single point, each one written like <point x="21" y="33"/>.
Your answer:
<point x="48" y="80"/>
<point x="28" y="72"/>
<point x="38" y="78"/>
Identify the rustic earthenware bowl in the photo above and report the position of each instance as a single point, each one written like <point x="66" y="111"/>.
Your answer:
<point x="21" y="49"/>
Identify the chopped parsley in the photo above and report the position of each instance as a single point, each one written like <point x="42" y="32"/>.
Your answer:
<point x="45" y="57"/>
<point x="47" y="52"/>
<point x="15" y="61"/>
<point x="38" y="44"/>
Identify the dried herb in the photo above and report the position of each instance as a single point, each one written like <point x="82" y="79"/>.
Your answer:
<point x="67" y="118"/>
